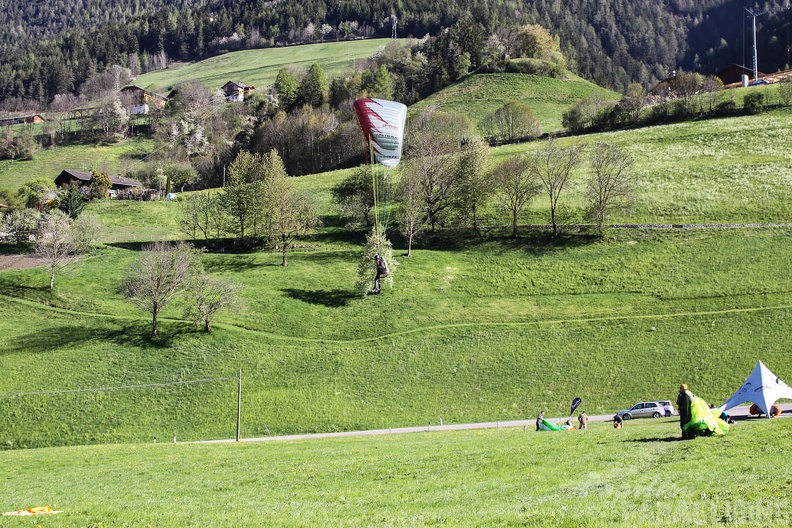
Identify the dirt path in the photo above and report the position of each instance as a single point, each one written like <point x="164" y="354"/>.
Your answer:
<point x="738" y="413"/>
<point x="14" y="262"/>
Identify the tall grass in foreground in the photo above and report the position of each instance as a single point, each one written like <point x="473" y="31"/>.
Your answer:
<point x="639" y="476"/>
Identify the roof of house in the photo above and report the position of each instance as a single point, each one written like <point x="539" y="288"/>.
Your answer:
<point x="86" y="177"/>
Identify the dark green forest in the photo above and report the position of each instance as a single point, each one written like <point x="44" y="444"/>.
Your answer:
<point x="611" y="42"/>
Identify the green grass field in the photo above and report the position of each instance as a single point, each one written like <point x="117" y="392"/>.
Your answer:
<point x="260" y="67"/>
<point x="115" y="158"/>
<point x="475" y="330"/>
<point x="641" y="476"/>
<point x="479" y="95"/>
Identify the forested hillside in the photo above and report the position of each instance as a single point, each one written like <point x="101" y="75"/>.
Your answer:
<point x="612" y="42"/>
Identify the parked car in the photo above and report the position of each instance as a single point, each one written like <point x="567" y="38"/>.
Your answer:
<point x="643" y="410"/>
<point x="667" y="406"/>
<point x="757" y="82"/>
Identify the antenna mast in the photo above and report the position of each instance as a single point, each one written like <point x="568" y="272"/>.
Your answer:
<point x="394" y="21"/>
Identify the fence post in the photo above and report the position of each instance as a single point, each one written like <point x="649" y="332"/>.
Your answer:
<point x="239" y="405"/>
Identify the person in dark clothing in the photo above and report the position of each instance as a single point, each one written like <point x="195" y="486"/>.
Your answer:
<point x="539" y="419"/>
<point x="382" y="272"/>
<point x="684" y="401"/>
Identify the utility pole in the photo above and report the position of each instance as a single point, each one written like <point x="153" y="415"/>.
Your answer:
<point x="755" y="61"/>
<point x="394" y="21"/>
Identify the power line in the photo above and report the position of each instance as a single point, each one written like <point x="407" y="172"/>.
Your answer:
<point x="107" y="389"/>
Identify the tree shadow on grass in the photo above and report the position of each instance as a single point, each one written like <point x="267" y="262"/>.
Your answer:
<point x="135" y="334"/>
<point x="331" y="298"/>
<point x="239" y="263"/>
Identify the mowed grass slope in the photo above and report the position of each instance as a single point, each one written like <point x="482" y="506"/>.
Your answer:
<point x="486" y="329"/>
<point x="260" y="67"/>
<point x="734" y="169"/>
<point x="640" y="476"/>
<point x="114" y="158"/>
<point x="491" y="332"/>
<point x="478" y="95"/>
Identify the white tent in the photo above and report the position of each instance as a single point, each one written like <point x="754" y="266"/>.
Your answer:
<point x="762" y="388"/>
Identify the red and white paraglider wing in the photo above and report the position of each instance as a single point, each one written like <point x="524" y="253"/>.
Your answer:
<point x="382" y="123"/>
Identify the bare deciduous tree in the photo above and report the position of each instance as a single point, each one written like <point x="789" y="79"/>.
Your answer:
<point x="553" y="167"/>
<point x="611" y="185"/>
<point x="54" y="242"/>
<point x="516" y="184"/>
<point x="209" y="296"/>
<point x="410" y="215"/>
<point x="156" y="276"/>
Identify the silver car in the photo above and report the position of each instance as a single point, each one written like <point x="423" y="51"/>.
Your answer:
<point x="667" y="406"/>
<point x="643" y="410"/>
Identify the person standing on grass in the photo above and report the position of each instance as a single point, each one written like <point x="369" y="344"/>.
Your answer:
<point x="684" y="401"/>
<point x="583" y="421"/>
<point x="539" y="419"/>
<point x="382" y="272"/>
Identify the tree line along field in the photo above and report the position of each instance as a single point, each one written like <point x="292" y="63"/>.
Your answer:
<point x="476" y="329"/>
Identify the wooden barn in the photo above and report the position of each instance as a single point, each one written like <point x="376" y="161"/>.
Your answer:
<point x="137" y="101"/>
<point x="21" y="120"/>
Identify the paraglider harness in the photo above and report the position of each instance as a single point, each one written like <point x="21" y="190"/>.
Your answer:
<point x="382" y="272"/>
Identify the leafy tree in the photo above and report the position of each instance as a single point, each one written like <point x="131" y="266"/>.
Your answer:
<point x="474" y="186"/>
<point x="287" y="85"/>
<point x="754" y="102"/>
<point x="377" y="83"/>
<point x="516" y="184"/>
<point x="72" y="200"/>
<point x="180" y="175"/>
<point x="685" y="86"/>
<point x="157" y="276"/>
<point x="290" y="212"/>
<point x="21" y="223"/>
<point x="313" y="88"/>
<point x="712" y="86"/>
<point x="553" y="167"/>
<point x="512" y="122"/>
<point x="37" y="193"/>
<point x="209" y="296"/>
<point x="99" y="184"/>
<point x="611" y="185"/>
<point x="243" y="194"/>
<point x="785" y="90"/>
<point x="355" y="196"/>
<point x="203" y="213"/>
<point x="634" y="101"/>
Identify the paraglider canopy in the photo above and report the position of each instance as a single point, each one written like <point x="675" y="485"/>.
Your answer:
<point x="382" y="123"/>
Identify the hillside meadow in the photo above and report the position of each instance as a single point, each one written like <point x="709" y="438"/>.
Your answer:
<point x="641" y="476"/>
<point x="480" y="95"/>
<point x="260" y="67"/>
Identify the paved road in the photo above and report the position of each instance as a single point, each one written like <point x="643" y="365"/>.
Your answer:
<point x="738" y="413"/>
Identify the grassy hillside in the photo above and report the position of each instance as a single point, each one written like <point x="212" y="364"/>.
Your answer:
<point x="479" y="95"/>
<point x="114" y="158"/>
<point x="638" y="477"/>
<point x="260" y="67"/>
<point x="486" y="329"/>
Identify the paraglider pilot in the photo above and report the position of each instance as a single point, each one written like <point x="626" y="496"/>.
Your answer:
<point x="684" y="401"/>
<point x="382" y="272"/>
